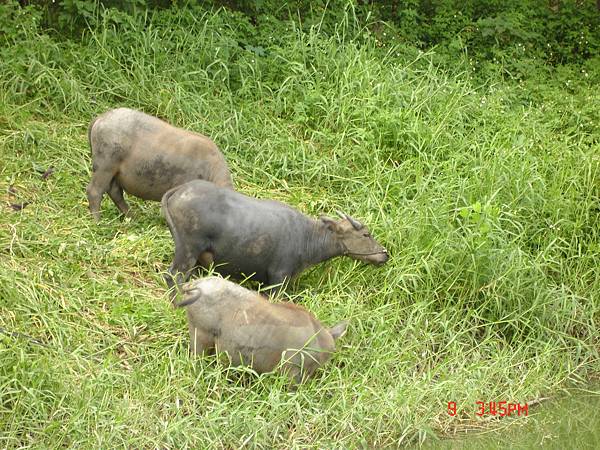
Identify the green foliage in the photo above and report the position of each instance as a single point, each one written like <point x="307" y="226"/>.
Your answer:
<point x="504" y="29"/>
<point x="484" y="188"/>
<point x="16" y="23"/>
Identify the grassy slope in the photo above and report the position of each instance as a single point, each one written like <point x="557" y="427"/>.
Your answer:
<point x="488" y="204"/>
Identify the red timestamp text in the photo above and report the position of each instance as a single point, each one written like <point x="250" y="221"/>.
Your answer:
<point x="500" y="409"/>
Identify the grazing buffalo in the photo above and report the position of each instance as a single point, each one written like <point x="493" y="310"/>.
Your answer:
<point x="144" y="156"/>
<point x="264" y="239"/>
<point x="225" y="317"/>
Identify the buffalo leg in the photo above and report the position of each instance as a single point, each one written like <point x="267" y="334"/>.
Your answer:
<point x="201" y="342"/>
<point x="116" y="195"/>
<point x="204" y="261"/>
<point x="276" y="277"/>
<point x="184" y="262"/>
<point x="99" y="184"/>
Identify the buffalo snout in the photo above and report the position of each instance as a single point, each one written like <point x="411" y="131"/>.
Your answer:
<point x="378" y="259"/>
<point x="382" y="258"/>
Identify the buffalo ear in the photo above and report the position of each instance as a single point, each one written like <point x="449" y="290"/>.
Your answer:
<point x="331" y="223"/>
<point x="337" y="331"/>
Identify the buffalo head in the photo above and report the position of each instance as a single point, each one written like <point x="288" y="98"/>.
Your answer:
<point x="356" y="240"/>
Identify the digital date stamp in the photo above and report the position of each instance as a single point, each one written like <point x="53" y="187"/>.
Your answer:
<point x="499" y="409"/>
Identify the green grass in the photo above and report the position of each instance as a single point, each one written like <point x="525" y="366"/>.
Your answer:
<point x="563" y="422"/>
<point x="486" y="194"/>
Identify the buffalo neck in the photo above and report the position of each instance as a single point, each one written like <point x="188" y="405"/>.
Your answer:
<point x="320" y="244"/>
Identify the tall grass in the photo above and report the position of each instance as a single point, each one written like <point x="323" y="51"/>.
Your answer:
<point x="486" y="195"/>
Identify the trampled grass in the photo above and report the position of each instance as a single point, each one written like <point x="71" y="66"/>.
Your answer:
<point x="486" y="195"/>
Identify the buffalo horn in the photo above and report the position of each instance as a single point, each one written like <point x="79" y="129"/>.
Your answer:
<point x="355" y="223"/>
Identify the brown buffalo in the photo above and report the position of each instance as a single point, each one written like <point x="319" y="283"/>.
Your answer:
<point x="225" y="317"/>
<point x="145" y="157"/>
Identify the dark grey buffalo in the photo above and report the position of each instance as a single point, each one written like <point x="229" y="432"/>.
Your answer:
<point x="227" y="318"/>
<point x="265" y="239"/>
<point x="145" y="157"/>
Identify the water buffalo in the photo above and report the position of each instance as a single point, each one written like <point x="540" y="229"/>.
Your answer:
<point x="146" y="157"/>
<point x="225" y="317"/>
<point x="264" y="239"/>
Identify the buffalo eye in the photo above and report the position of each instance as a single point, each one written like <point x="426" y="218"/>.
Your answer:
<point x="367" y="234"/>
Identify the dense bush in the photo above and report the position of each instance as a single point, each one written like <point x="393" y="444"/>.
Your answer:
<point x="558" y="32"/>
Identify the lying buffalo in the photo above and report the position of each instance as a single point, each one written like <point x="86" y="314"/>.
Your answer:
<point x="265" y="239"/>
<point x="146" y="157"/>
<point x="226" y="317"/>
